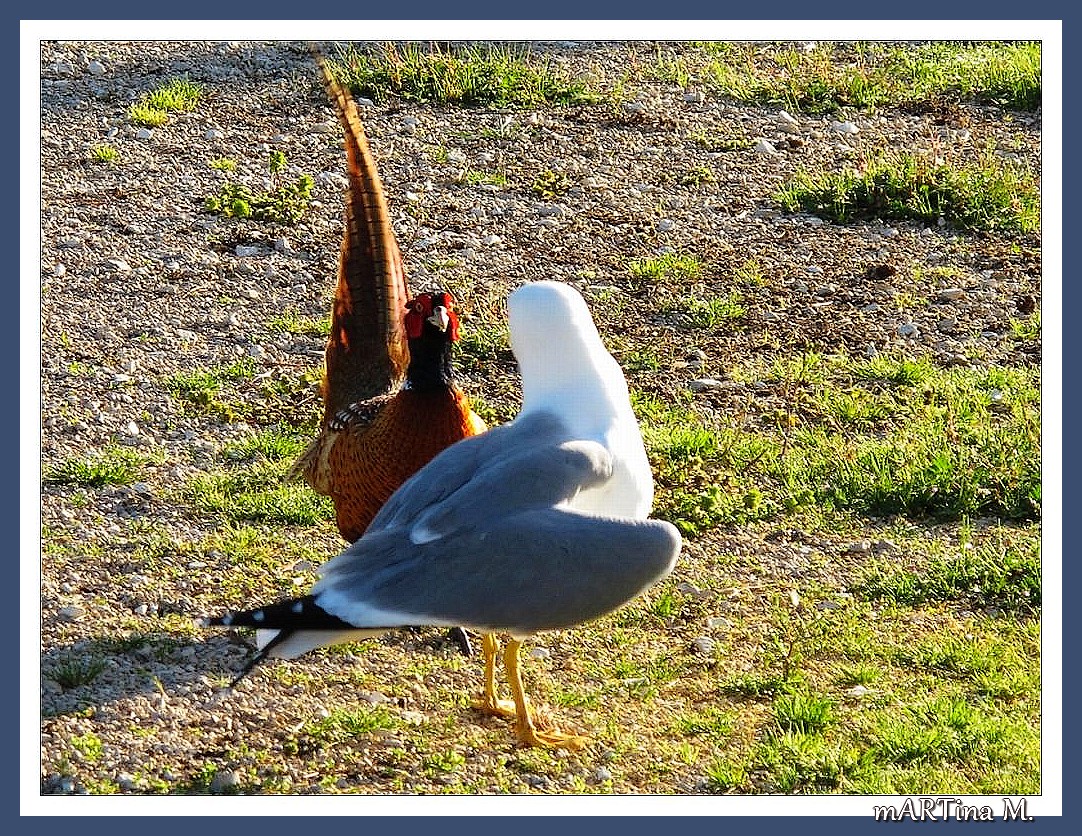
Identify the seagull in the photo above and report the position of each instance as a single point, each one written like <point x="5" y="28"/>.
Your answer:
<point x="538" y="524"/>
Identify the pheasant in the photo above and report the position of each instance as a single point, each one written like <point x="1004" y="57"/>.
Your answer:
<point x="539" y="524"/>
<point x="391" y="402"/>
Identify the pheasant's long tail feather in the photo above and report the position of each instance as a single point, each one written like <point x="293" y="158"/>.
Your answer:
<point x="367" y="352"/>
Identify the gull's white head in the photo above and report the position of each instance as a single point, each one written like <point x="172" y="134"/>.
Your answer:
<point x="558" y="348"/>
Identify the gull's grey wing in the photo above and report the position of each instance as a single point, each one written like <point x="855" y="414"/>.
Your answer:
<point x="459" y="465"/>
<point x="540" y="569"/>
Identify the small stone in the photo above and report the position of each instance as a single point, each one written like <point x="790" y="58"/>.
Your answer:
<point x="601" y="775"/>
<point x="283" y="245"/>
<point x="907" y="329"/>
<point x="72" y="613"/>
<point x="703" y="645"/>
<point x="718" y="622"/>
<point x="540" y="653"/>
<point x="950" y="294"/>
<point x="787" y="123"/>
<point x="884" y="546"/>
<point x="59" y="271"/>
<point x="95" y="68"/>
<point x="947" y="324"/>
<point x="705" y="384"/>
<point x="213" y="134"/>
<point x="666" y="225"/>
<point x="118" y="265"/>
<point x="414" y="718"/>
<point x="144" y="133"/>
<point x="126" y="782"/>
<point x="695" y="97"/>
<point x="858" y="691"/>
<point x="373" y="697"/>
<point x="132" y="429"/>
<point x="859" y="547"/>
<point x="871" y="307"/>
<point x="142" y="609"/>
<point x="243" y="251"/>
<point x="765" y="147"/>
<point x="634" y="107"/>
<point x="224" y="780"/>
<point x="363" y="102"/>
<point x="492" y="240"/>
<point x="844" y="128"/>
<point x="251" y="293"/>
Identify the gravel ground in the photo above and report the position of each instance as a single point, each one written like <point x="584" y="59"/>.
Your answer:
<point x="138" y="283"/>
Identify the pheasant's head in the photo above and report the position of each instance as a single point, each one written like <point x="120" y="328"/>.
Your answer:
<point x="431" y="326"/>
<point x="434" y="309"/>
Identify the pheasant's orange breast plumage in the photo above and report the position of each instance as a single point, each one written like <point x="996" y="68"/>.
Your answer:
<point x="365" y="465"/>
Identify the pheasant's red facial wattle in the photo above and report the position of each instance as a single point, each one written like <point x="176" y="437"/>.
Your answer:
<point x="437" y="308"/>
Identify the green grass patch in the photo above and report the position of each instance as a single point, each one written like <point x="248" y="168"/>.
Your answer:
<point x="291" y="322"/>
<point x="344" y="724"/>
<point x="199" y="389"/>
<point x="991" y="194"/>
<point x="104" y="153"/>
<point x="88" y="745"/>
<point x="831" y="77"/>
<point x="284" y="203"/>
<point x="665" y="266"/>
<point x="994" y="574"/>
<point x="153" y="108"/>
<point x="76" y="671"/>
<point x="113" y="466"/>
<point x="481" y="75"/>
<point x="256" y="494"/>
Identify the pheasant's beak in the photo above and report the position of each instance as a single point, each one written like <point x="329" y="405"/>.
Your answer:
<point x="440" y="318"/>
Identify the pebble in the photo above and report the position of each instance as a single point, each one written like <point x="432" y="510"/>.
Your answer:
<point x="243" y="251"/>
<point x="705" y="384"/>
<point x="283" y="245"/>
<point x="132" y="429"/>
<point x="947" y="324"/>
<point x="859" y="547"/>
<point x="907" y="329"/>
<point x="363" y="102"/>
<point x="95" y="68"/>
<point x="665" y="225"/>
<point x="118" y="265"/>
<point x="858" y="691"/>
<point x="950" y="294"/>
<point x="492" y="240"/>
<point x="72" y="613"/>
<point x="601" y="775"/>
<point x="224" y="779"/>
<point x="718" y="622"/>
<point x="540" y="653"/>
<point x="844" y="127"/>
<point x="765" y="147"/>
<point x="373" y="697"/>
<point x="126" y="782"/>
<point x="251" y="293"/>
<point x="703" y="645"/>
<point x="144" y="133"/>
<point x="884" y="546"/>
<point x="59" y="271"/>
<point x="787" y="123"/>
<point x="213" y="134"/>
<point x="695" y="97"/>
<point x="414" y="718"/>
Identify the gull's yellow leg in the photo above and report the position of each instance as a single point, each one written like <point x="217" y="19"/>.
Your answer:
<point x="490" y="703"/>
<point x="524" y="727"/>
